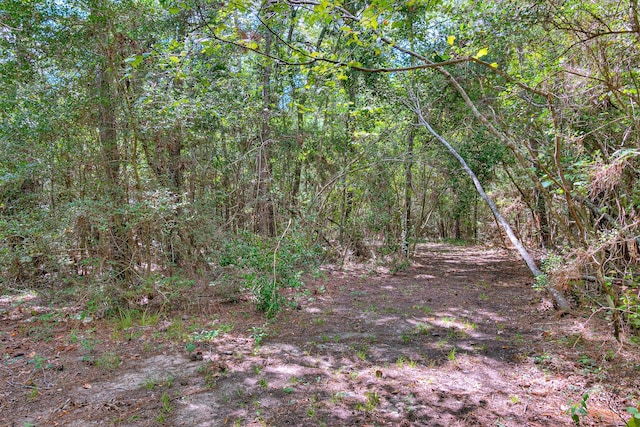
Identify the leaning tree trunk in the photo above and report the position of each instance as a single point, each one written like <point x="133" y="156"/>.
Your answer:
<point x="557" y="296"/>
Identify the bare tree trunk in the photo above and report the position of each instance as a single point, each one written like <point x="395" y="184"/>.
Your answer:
<point x="558" y="297"/>
<point x="408" y="194"/>
<point x="265" y="215"/>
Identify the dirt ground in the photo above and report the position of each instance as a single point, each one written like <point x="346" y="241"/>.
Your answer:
<point x="458" y="338"/>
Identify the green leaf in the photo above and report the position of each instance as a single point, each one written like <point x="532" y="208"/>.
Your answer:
<point x="482" y="52"/>
<point x="174" y="59"/>
<point x="134" y="61"/>
<point x="451" y="40"/>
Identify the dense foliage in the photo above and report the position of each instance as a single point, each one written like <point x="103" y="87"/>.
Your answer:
<point x="143" y="138"/>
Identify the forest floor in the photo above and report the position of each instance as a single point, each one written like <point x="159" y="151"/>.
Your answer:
<point x="458" y="338"/>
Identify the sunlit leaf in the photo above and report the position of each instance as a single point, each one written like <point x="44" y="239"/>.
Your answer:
<point x="451" y="40"/>
<point x="482" y="52"/>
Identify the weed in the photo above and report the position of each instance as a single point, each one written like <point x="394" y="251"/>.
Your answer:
<point x="263" y="383"/>
<point x="150" y="383"/>
<point x="484" y="297"/>
<point x="452" y="334"/>
<point x="38" y="362"/>
<point x="259" y="333"/>
<point x="425" y="309"/>
<point x="288" y="390"/>
<point x="210" y="335"/>
<point x="176" y="329"/>
<point x="422" y="329"/>
<point x="406" y="338"/>
<point x="166" y="402"/>
<point x="579" y="409"/>
<point x="514" y="399"/>
<point x="448" y="321"/>
<point x="373" y="400"/>
<point x="452" y="354"/>
<point x="337" y="397"/>
<point x="33" y="394"/>
<point x="589" y="365"/>
<point x="400" y="362"/>
<point x="88" y="344"/>
<point x="362" y="354"/>
<point x="108" y="360"/>
<point x="126" y="318"/>
<point x="635" y="416"/>
<point x="542" y="358"/>
<point x="398" y="265"/>
<point x="318" y="321"/>
<point x="469" y="325"/>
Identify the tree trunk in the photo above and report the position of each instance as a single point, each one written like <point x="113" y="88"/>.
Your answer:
<point x="118" y="240"/>
<point x="408" y="191"/>
<point x="265" y="216"/>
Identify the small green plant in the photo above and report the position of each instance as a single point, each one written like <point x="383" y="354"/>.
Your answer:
<point x="425" y="309"/>
<point x="38" y="362"/>
<point x="589" y="365"/>
<point x="579" y="409"/>
<point x="318" y="321"/>
<point x="484" y="296"/>
<point x="337" y="397"/>
<point x="263" y="383"/>
<point x="211" y="334"/>
<point x="288" y="390"/>
<point x="452" y="354"/>
<point x="166" y="402"/>
<point x="34" y="393"/>
<point x="108" y="360"/>
<point x="126" y="318"/>
<point x="88" y="343"/>
<point x="373" y="400"/>
<point x="399" y="264"/>
<point x="73" y="336"/>
<point x="259" y="333"/>
<point x="422" y="329"/>
<point x="362" y="354"/>
<point x="542" y="358"/>
<point x="150" y="383"/>
<point x="635" y="417"/>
